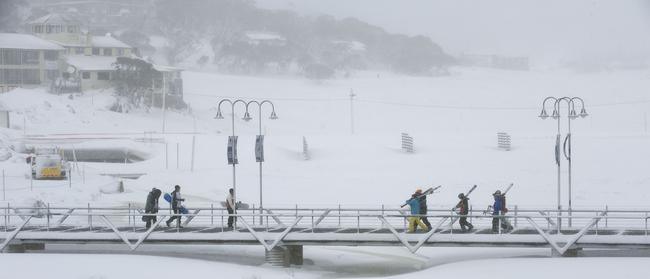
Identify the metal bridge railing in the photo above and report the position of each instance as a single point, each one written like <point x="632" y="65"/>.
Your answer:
<point x="283" y="221"/>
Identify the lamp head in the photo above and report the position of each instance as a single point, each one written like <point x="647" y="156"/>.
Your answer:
<point x="555" y="114"/>
<point x="583" y="113"/>
<point x="572" y="114"/>
<point x="273" y="116"/>
<point x="247" y="117"/>
<point x="543" y="114"/>
<point x="219" y="115"/>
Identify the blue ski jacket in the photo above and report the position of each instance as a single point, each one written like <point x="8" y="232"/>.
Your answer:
<point x="497" y="207"/>
<point x="415" y="206"/>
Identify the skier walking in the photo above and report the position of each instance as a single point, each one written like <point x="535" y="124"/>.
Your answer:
<point x="230" y="206"/>
<point x="499" y="209"/>
<point x="151" y="207"/>
<point x="415" y="220"/>
<point x="422" y="199"/>
<point x="176" y="206"/>
<point x="463" y="210"/>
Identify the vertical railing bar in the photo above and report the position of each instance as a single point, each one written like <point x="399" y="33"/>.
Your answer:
<point x="339" y="215"/>
<point x="90" y="223"/>
<point x="606" y="215"/>
<point x="222" y="220"/>
<point x="48" y="217"/>
<point x="358" y="221"/>
<point x="312" y="221"/>
<point x="516" y="211"/>
<point x="212" y="215"/>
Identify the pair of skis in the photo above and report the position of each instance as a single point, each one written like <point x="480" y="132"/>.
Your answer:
<point x="429" y="191"/>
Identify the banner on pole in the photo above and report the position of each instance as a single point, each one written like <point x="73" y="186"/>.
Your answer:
<point x="232" y="150"/>
<point x="259" y="149"/>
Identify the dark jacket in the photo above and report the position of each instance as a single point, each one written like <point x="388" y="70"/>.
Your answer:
<point x="463" y="205"/>
<point x="152" y="201"/>
<point x="422" y="199"/>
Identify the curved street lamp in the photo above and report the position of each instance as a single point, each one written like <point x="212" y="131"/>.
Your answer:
<point x="571" y="115"/>
<point x="220" y="116"/>
<point x="247" y="117"/>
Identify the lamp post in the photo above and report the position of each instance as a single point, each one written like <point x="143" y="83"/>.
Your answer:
<point x="220" y="116"/>
<point x="571" y="115"/>
<point x="247" y="117"/>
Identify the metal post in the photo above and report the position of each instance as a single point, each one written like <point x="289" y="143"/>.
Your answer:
<point x="569" y="159"/>
<point x="70" y="178"/>
<point x="90" y="219"/>
<point x="516" y="209"/>
<point x="339" y="215"/>
<point x="31" y="178"/>
<point x="260" y="133"/>
<point x="606" y="215"/>
<point x="559" y="201"/>
<point x="234" y="177"/>
<point x="47" y="228"/>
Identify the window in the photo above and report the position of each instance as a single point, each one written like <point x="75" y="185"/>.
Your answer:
<point x="95" y="51"/>
<point x="38" y="28"/>
<point x="103" y="76"/>
<point x="31" y="76"/>
<point x="108" y="52"/>
<point x="72" y="29"/>
<point x="11" y="57"/>
<point x="51" y="55"/>
<point x="85" y="75"/>
<point x="80" y="50"/>
<point x="11" y="76"/>
<point x="30" y="57"/>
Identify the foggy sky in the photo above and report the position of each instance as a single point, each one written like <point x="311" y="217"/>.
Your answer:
<point x="545" y="30"/>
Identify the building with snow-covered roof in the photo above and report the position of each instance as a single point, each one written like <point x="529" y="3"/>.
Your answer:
<point x="264" y="38"/>
<point x="93" y="72"/>
<point x="69" y="33"/>
<point x="27" y="60"/>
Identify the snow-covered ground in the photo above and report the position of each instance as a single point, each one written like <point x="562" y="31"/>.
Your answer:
<point x="453" y="119"/>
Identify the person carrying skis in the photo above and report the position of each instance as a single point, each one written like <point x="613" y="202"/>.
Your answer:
<point x="414" y="220"/>
<point x="463" y="210"/>
<point x="230" y="206"/>
<point x="422" y="199"/>
<point x="151" y="207"/>
<point x="176" y="206"/>
<point x="499" y="209"/>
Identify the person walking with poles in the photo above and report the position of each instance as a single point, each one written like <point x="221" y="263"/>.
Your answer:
<point x="463" y="210"/>
<point x="230" y="206"/>
<point x="176" y="206"/>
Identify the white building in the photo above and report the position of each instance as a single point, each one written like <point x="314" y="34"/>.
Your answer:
<point x="26" y="60"/>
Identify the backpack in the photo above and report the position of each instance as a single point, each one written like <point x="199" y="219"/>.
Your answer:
<point x="504" y="209"/>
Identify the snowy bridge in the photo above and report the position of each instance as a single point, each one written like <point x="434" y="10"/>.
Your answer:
<point x="283" y="231"/>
